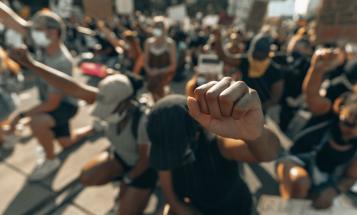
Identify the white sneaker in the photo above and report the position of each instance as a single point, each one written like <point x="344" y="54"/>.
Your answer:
<point x="44" y="168"/>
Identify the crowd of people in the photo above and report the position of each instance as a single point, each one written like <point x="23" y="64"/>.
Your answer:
<point x="188" y="145"/>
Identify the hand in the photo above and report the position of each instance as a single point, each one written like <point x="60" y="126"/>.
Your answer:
<point x="229" y="109"/>
<point x="13" y="121"/>
<point x="325" y="198"/>
<point x="22" y="56"/>
<point x="325" y="60"/>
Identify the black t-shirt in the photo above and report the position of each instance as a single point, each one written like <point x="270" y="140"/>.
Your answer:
<point x="212" y="182"/>
<point x="264" y="84"/>
<point x="294" y="75"/>
<point x="317" y="139"/>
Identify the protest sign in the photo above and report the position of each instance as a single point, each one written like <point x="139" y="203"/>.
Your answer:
<point x="124" y="6"/>
<point x="102" y="9"/>
<point x="177" y="13"/>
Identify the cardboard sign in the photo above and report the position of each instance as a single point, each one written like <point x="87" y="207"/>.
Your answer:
<point x="210" y="64"/>
<point x="274" y="205"/>
<point x="210" y="20"/>
<point x="257" y="15"/>
<point x="62" y="7"/>
<point x="125" y="7"/>
<point x="177" y="13"/>
<point x="337" y="21"/>
<point x="102" y="9"/>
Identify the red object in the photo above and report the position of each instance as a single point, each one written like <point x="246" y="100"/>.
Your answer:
<point x="94" y="69"/>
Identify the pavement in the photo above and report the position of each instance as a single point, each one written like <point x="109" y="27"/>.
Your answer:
<point x="61" y="193"/>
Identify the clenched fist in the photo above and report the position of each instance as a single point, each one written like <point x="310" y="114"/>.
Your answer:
<point x="229" y="109"/>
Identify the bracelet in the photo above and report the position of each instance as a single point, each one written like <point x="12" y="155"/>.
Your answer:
<point x="127" y="180"/>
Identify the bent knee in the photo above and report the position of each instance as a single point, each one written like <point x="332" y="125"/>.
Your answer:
<point x="301" y="182"/>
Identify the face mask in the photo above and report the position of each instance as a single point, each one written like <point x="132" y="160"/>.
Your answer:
<point x="157" y="32"/>
<point x="116" y="117"/>
<point x="40" y="38"/>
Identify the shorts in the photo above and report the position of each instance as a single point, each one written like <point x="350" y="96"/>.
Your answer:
<point x="305" y="160"/>
<point x="147" y="180"/>
<point x="62" y="115"/>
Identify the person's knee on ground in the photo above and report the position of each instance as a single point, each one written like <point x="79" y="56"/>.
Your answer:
<point x="294" y="181"/>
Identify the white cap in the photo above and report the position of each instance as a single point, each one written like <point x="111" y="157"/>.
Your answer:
<point x="112" y="90"/>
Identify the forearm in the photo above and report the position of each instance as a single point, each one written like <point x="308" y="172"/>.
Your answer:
<point x="267" y="147"/>
<point x="11" y="20"/>
<point x="311" y="90"/>
<point x="64" y="82"/>
<point x="232" y="61"/>
<point x="312" y="83"/>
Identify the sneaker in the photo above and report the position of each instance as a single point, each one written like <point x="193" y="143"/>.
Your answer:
<point x="44" y="169"/>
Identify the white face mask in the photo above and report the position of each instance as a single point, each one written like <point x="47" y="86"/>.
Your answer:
<point x="116" y="117"/>
<point x="40" y="38"/>
<point x="157" y="32"/>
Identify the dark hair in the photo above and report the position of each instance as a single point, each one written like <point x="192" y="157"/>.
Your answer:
<point x="136" y="81"/>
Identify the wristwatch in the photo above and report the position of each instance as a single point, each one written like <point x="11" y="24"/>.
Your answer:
<point x="127" y="180"/>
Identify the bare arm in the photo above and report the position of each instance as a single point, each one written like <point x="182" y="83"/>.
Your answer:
<point x="231" y="60"/>
<point x="173" y="62"/>
<point x="55" y="78"/>
<point x="11" y="20"/>
<point x="311" y="87"/>
<point x="322" y="61"/>
<point x="146" y="58"/>
<point x="264" y="149"/>
<point x="177" y="206"/>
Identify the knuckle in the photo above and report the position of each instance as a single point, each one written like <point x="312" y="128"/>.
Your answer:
<point x="211" y="95"/>
<point x="225" y="99"/>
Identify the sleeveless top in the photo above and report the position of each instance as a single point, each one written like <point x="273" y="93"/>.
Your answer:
<point x="160" y="59"/>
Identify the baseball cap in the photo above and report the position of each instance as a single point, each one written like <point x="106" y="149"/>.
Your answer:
<point x="48" y="19"/>
<point x="112" y="90"/>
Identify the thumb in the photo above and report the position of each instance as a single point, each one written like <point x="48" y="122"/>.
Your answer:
<point x="194" y="110"/>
